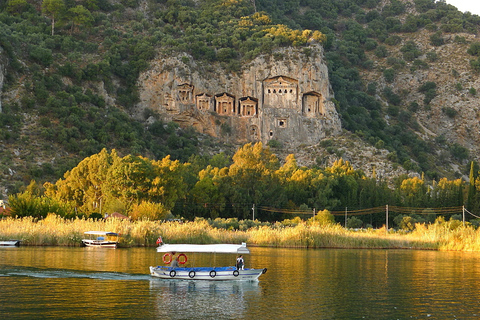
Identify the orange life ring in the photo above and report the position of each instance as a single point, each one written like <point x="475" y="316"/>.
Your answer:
<point x="167" y="256"/>
<point x="184" y="256"/>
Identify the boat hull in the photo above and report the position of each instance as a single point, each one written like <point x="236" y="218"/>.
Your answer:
<point x="100" y="243"/>
<point x="9" y="243"/>
<point x="209" y="274"/>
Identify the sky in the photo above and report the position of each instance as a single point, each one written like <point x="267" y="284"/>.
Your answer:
<point x="466" y="5"/>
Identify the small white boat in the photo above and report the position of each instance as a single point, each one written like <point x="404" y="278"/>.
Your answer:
<point x="102" y="239"/>
<point x="203" y="273"/>
<point x="10" y="243"/>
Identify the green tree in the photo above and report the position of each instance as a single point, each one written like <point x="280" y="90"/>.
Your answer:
<point x="405" y="222"/>
<point x="16" y="7"/>
<point x="80" y="16"/>
<point x="168" y="185"/>
<point x="474" y="49"/>
<point x="354" y="223"/>
<point x="342" y="182"/>
<point x="410" y="51"/>
<point x="105" y="182"/>
<point x="253" y="176"/>
<point x="429" y="88"/>
<point x="53" y="9"/>
<point x="436" y="39"/>
<point x="32" y="203"/>
<point x="208" y="194"/>
<point x="297" y="182"/>
<point x="413" y="192"/>
<point x="471" y="194"/>
<point x="324" y="218"/>
<point x="85" y="185"/>
<point x="129" y="180"/>
<point x="389" y="75"/>
<point x="448" y="193"/>
<point x="41" y="55"/>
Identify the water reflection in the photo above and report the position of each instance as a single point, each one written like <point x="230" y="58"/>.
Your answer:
<point x="188" y="299"/>
<point x="73" y="283"/>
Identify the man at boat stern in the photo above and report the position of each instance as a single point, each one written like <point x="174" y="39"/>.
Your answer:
<point x="240" y="262"/>
<point x="175" y="263"/>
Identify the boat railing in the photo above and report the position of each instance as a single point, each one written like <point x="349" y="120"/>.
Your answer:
<point x="165" y="268"/>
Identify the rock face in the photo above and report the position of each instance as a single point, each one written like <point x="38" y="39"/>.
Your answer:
<point x="285" y="97"/>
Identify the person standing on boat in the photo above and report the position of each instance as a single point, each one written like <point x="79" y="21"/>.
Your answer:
<point x="175" y="263"/>
<point x="240" y="262"/>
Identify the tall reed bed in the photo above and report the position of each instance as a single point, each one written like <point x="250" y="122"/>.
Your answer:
<point x="462" y="238"/>
<point x="54" y="230"/>
<point x="331" y="236"/>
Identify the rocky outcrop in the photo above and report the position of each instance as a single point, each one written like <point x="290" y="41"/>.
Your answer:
<point x="285" y="97"/>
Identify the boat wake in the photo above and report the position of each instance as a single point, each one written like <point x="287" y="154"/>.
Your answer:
<point x="63" y="273"/>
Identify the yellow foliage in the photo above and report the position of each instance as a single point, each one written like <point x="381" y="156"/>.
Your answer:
<point x="256" y="19"/>
<point x="412" y="186"/>
<point x="318" y="36"/>
<point x="341" y="167"/>
<point x="261" y="18"/>
<point x="296" y="37"/>
<point x="323" y="218"/>
<point x="444" y="183"/>
<point x="254" y="157"/>
<point x="148" y="211"/>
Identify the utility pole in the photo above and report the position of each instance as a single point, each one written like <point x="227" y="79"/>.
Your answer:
<point x="345" y="217"/>
<point x="253" y="210"/>
<point x="386" y="224"/>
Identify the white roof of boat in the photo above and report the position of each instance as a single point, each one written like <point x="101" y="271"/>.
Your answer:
<point x="205" y="248"/>
<point x="102" y="233"/>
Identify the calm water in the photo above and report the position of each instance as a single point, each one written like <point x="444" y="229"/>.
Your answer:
<point x="86" y="283"/>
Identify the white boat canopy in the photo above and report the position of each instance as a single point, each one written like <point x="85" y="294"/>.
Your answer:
<point x="102" y="233"/>
<point x="205" y="248"/>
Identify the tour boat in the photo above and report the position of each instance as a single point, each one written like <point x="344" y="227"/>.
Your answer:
<point x="9" y="243"/>
<point x="101" y="239"/>
<point x="202" y="273"/>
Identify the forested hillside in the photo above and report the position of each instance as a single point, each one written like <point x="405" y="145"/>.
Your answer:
<point x="71" y="70"/>
<point x="386" y="61"/>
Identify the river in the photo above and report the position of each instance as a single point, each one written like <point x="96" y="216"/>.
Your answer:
<point x="90" y="283"/>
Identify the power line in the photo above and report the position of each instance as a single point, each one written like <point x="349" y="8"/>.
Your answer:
<point x="358" y="212"/>
<point x="471" y="214"/>
<point x="395" y="209"/>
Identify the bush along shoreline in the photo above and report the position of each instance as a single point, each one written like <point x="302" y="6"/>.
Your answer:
<point x="56" y="231"/>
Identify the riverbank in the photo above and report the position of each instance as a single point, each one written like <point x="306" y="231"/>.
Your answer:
<point x="56" y="231"/>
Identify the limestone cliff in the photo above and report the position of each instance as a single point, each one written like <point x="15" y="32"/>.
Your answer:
<point x="285" y="97"/>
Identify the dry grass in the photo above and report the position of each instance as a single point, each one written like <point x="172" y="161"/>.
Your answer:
<point x="56" y="231"/>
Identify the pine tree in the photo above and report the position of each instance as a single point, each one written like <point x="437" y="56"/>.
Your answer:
<point x="53" y="9"/>
<point x="471" y="196"/>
